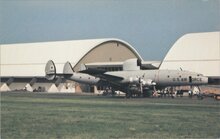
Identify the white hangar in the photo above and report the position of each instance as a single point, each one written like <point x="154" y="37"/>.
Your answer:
<point x="22" y="65"/>
<point x="197" y="52"/>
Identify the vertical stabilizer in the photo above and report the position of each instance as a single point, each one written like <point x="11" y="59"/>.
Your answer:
<point x="67" y="69"/>
<point x="131" y="64"/>
<point x="50" y="70"/>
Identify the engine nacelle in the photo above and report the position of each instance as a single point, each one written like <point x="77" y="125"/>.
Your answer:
<point x="139" y="80"/>
<point x="148" y="82"/>
<point x="134" y="80"/>
<point x="84" y="78"/>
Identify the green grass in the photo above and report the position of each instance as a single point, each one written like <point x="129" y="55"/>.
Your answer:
<point x="48" y="116"/>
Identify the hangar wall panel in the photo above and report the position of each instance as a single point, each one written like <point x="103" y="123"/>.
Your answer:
<point x="198" y="52"/>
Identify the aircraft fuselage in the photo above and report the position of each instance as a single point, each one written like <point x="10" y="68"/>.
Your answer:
<point x="162" y="77"/>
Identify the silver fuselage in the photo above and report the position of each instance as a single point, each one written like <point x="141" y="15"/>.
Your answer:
<point x="163" y="77"/>
<point x="160" y="77"/>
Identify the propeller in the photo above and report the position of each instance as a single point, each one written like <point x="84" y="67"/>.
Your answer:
<point x="141" y="82"/>
<point x="146" y="83"/>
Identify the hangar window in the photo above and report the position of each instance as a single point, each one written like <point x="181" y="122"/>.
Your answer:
<point x="117" y="68"/>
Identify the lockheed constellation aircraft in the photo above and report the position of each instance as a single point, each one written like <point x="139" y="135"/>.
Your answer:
<point x="131" y="80"/>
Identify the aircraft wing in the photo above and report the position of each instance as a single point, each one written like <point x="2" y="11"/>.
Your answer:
<point x="110" y="77"/>
<point x="93" y="71"/>
<point x="101" y="73"/>
<point x="112" y="80"/>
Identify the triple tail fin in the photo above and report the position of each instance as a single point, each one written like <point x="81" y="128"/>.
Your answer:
<point x="51" y="74"/>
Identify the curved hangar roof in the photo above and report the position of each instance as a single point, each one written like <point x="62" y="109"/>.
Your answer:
<point x="29" y="59"/>
<point x="198" y="52"/>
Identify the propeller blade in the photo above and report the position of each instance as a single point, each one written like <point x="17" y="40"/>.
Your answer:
<point x="141" y="88"/>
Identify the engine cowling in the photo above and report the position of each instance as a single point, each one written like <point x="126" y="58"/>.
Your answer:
<point x="148" y="82"/>
<point x="134" y="80"/>
<point x="139" y="80"/>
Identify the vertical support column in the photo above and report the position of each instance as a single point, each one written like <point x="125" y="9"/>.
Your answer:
<point x="95" y="90"/>
<point x="9" y="81"/>
<point x="29" y="86"/>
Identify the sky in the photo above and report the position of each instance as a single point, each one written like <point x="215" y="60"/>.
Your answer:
<point x="150" y="26"/>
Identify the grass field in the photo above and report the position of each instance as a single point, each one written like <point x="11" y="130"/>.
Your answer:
<point x="48" y="116"/>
